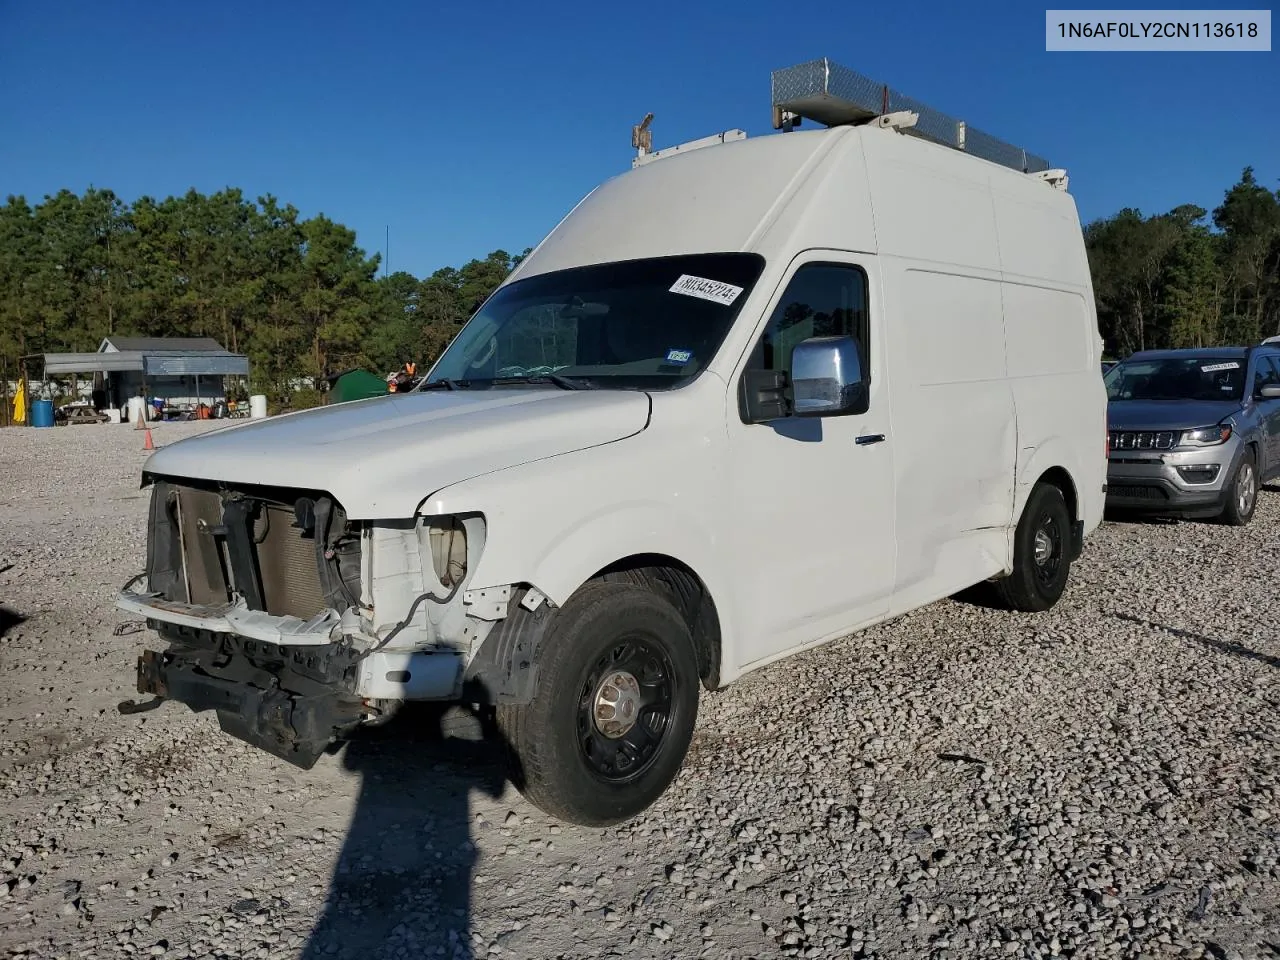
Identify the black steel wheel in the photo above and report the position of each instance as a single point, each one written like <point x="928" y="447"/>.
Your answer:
<point x="1041" y="553"/>
<point x="624" y="709"/>
<point x="613" y="710"/>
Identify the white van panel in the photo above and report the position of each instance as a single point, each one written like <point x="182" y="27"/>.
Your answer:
<point x="1039" y="233"/>
<point x="1046" y="331"/>
<point x="931" y="211"/>
<point x="953" y="432"/>
<point x="705" y="201"/>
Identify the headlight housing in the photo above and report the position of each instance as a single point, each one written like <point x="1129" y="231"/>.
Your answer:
<point x="1206" y="436"/>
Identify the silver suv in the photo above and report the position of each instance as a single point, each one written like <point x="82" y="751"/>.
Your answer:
<point x="1193" y="433"/>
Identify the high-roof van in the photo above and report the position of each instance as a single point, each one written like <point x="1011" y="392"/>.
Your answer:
<point x="749" y="397"/>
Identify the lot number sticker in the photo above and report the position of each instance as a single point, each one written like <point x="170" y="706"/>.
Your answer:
<point x="704" y="289"/>
<point x="1215" y="367"/>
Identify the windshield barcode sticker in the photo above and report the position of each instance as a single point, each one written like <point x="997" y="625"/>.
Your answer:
<point x="705" y="289"/>
<point x="1215" y="367"/>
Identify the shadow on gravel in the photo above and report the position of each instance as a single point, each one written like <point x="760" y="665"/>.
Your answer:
<point x="10" y="619"/>
<point x="980" y="595"/>
<point x="1224" y="646"/>
<point x="402" y="884"/>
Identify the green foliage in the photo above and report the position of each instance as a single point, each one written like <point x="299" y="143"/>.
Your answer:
<point x="305" y="399"/>
<point x="302" y="300"/>
<point x="297" y="296"/>
<point x="1174" y="280"/>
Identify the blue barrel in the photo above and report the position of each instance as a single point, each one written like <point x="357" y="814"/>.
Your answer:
<point x="42" y="413"/>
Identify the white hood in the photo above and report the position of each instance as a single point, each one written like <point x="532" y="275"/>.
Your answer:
<point x="381" y="457"/>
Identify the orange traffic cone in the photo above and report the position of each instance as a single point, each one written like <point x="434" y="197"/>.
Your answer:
<point x="148" y="445"/>
<point x="139" y="424"/>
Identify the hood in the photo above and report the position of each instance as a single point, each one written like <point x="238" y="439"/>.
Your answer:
<point x="1168" y="414"/>
<point x="381" y="457"/>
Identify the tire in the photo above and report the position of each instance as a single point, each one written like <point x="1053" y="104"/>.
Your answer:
<point x="1242" y="492"/>
<point x="1041" y="552"/>
<point x="571" y="754"/>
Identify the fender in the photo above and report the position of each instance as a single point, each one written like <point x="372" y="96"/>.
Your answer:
<point x="555" y="523"/>
<point x="1034" y="462"/>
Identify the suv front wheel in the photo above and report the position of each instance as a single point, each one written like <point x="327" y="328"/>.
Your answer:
<point x="1241" y="492"/>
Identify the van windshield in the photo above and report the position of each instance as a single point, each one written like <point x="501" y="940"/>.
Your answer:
<point x="640" y="324"/>
<point x="1180" y="378"/>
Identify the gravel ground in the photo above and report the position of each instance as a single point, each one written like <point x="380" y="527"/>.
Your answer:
<point x="1098" y="781"/>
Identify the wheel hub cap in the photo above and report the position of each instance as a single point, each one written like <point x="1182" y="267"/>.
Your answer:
<point x="1044" y="546"/>
<point x="617" y="704"/>
<point x="1244" y="491"/>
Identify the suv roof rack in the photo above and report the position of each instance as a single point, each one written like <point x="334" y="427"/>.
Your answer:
<point x="830" y="94"/>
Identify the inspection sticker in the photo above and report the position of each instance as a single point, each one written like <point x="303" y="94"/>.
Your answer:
<point x="679" y="356"/>
<point x="704" y="289"/>
<point x="1215" y="367"/>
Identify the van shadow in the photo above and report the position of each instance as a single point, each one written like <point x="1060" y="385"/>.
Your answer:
<point x="10" y="619"/>
<point x="402" y="883"/>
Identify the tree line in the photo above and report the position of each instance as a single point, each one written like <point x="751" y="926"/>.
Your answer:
<point x="296" y="295"/>
<point x="300" y="298"/>
<point x="1187" y="278"/>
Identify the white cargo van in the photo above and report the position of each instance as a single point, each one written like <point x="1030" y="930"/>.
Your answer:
<point x="746" y="398"/>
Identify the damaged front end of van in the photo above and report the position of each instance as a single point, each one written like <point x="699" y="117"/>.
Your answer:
<point x="269" y="601"/>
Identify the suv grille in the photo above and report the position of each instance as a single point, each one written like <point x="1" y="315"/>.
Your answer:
<point x="1143" y="439"/>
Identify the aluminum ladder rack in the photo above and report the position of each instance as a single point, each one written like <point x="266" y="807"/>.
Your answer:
<point x="832" y="95"/>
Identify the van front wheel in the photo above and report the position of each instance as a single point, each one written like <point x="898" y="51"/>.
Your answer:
<point x="1041" y="553"/>
<point x="613" y="710"/>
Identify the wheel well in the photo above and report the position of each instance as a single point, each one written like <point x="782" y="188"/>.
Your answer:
<point x="668" y="576"/>
<point x="1058" y="477"/>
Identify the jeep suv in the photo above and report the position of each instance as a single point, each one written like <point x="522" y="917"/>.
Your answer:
<point x="1193" y="433"/>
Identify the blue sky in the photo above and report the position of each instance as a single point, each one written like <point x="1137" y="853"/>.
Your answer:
<point x="466" y="128"/>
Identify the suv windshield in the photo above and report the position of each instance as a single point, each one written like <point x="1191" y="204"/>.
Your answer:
<point x="1181" y="378"/>
<point x="647" y="324"/>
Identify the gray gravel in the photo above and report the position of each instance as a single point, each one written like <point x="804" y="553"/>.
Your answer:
<point x="1098" y="781"/>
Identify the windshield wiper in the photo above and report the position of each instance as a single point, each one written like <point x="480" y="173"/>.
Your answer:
<point x="446" y="384"/>
<point x="564" y="383"/>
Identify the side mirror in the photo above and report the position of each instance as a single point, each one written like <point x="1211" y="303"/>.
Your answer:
<point x="1270" y="392"/>
<point x="765" y="395"/>
<point x="826" y="377"/>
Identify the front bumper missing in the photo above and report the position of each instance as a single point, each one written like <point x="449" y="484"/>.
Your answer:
<point x="288" y="686"/>
<point x="257" y="694"/>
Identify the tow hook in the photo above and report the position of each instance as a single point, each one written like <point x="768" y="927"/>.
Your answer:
<point x="149" y="681"/>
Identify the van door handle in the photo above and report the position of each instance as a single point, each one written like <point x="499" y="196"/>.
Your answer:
<point x="867" y="438"/>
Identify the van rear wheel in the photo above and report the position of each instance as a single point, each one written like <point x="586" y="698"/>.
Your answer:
<point x="1041" y="553"/>
<point x="613" y="710"/>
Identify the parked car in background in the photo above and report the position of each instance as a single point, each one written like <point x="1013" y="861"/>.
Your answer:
<point x="1107" y="365"/>
<point x="1193" y="433"/>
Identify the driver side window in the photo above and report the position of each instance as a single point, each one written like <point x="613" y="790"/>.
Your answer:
<point x="822" y="300"/>
<point x="1265" y="375"/>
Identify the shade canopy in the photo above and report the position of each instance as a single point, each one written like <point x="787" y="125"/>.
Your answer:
<point x="152" y="356"/>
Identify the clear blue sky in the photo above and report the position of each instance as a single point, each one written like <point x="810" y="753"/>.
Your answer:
<point x="467" y="127"/>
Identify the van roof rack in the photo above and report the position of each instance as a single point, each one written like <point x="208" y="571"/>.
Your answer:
<point x="830" y="94"/>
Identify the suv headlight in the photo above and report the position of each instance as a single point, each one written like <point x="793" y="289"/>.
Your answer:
<point x="1205" y="436"/>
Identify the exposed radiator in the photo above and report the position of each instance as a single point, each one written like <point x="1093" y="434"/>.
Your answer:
<point x="287" y="564"/>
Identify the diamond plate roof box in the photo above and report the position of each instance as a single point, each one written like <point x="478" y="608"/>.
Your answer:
<point x="827" y="93"/>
